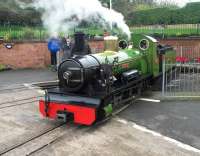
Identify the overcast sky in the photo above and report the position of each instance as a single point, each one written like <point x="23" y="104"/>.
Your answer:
<point x="180" y="2"/>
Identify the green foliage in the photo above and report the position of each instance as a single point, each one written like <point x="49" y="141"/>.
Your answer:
<point x="147" y="12"/>
<point x="2" y="67"/>
<point x="28" y="33"/>
<point x="140" y="7"/>
<point x="128" y="6"/>
<point x="11" y="13"/>
<point x="186" y="15"/>
<point x="7" y="37"/>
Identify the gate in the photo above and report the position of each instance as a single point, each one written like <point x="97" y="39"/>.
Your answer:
<point x="182" y="79"/>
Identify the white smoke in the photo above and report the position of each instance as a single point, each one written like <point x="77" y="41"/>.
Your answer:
<point x="61" y="15"/>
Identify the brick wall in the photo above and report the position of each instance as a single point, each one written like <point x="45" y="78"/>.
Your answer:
<point x="185" y="47"/>
<point x="25" y="55"/>
<point x="181" y="42"/>
<point x="33" y="54"/>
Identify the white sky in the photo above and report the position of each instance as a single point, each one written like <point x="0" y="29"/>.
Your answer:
<point x="180" y="2"/>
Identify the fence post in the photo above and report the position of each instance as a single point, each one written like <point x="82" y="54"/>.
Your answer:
<point x="163" y="31"/>
<point x="163" y="79"/>
<point x="40" y="29"/>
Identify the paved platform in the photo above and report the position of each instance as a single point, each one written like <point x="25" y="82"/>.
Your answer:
<point x="113" y="139"/>
<point x="176" y="119"/>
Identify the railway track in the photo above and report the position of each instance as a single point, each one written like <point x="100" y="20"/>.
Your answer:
<point x="28" y="140"/>
<point x="12" y="89"/>
<point x="36" y="143"/>
<point x="25" y="86"/>
<point x="20" y="100"/>
<point x="21" y="88"/>
<point x="14" y="104"/>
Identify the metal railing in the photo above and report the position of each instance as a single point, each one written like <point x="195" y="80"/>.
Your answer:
<point x="162" y="31"/>
<point x="37" y="33"/>
<point x="182" y="79"/>
<point x="23" y="33"/>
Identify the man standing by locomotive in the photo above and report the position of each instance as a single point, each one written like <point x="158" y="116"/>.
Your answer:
<point x="66" y="46"/>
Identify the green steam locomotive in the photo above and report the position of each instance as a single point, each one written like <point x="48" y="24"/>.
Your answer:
<point x="91" y="86"/>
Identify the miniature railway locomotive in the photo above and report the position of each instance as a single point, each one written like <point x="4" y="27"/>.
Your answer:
<point x="92" y="86"/>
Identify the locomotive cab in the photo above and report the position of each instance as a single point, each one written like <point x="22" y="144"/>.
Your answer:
<point x="153" y="51"/>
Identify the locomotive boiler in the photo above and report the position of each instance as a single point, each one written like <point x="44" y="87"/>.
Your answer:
<point x="92" y="86"/>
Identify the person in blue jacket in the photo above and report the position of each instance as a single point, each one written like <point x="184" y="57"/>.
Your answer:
<point x="54" y="46"/>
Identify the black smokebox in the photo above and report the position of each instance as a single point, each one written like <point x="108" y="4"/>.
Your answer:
<point x="79" y="41"/>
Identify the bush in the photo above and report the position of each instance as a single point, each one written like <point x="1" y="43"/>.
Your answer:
<point x="2" y="67"/>
<point x="7" y="37"/>
<point x="28" y="33"/>
<point x="186" y="15"/>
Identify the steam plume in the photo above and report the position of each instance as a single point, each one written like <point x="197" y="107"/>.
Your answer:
<point x="61" y="15"/>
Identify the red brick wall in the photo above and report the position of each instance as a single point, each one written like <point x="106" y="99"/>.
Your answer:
<point x="181" y="42"/>
<point x="25" y="55"/>
<point x="33" y="54"/>
<point x="187" y="47"/>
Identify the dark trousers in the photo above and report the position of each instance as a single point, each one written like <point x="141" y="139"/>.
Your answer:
<point x="53" y="59"/>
